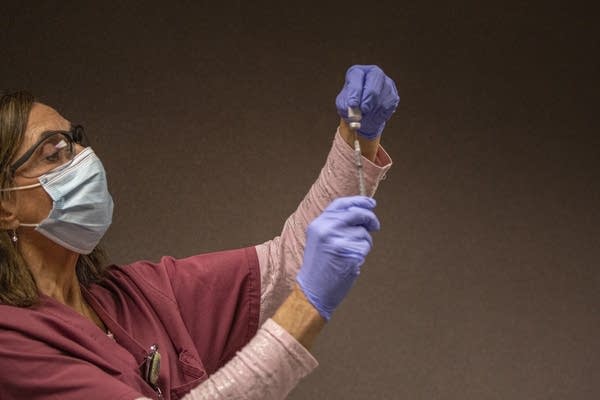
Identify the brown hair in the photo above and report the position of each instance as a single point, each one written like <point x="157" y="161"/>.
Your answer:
<point x="17" y="284"/>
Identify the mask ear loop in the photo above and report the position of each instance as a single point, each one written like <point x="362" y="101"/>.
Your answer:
<point x="12" y="189"/>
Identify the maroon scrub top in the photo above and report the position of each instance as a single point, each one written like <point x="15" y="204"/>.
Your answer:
<point x="199" y="311"/>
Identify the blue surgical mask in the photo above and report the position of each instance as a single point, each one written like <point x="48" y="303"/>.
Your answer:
<point x="82" y="206"/>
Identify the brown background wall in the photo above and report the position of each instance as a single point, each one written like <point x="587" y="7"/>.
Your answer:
<point x="213" y="120"/>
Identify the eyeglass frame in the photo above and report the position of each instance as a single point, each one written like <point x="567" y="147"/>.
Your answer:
<point x="76" y="135"/>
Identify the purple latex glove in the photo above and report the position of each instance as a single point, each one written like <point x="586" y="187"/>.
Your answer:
<point x="337" y="242"/>
<point x="368" y="88"/>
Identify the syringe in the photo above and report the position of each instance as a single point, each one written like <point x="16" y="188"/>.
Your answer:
<point x="354" y="117"/>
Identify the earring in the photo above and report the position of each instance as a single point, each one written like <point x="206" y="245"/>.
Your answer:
<point x="14" y="237"/>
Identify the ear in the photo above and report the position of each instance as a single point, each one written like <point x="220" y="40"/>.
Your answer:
<point x="8" y="215"/>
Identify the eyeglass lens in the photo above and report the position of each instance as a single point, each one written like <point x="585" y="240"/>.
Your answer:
<point x="53" y="152"/>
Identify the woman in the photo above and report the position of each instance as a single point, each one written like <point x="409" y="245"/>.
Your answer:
<point x="234" y="324"/>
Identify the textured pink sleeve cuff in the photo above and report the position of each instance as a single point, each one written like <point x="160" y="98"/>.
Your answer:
<point x="345" y="174"/>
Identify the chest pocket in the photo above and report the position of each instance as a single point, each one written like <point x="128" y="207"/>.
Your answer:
<point x="194" y="374"/>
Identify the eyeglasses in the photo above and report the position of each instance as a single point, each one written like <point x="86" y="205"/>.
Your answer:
<point x="54" y="149"/>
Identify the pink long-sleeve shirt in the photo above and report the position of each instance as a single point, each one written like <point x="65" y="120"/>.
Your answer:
<point x="203" y="312"/>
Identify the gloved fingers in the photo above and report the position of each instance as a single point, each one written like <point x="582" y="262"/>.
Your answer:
<point x="373" y="89"/>
<point x="391" y="99"/>
<point x="341" y="104"/>
<point x="352" y="233"/>
<point x="389" y="82"/>
<point x="355" y="78"/>
<point x="360" y="248"/>
<point x="343" y="203"/>
<point x="357" y="216"/>
<point x="370" y="89"/>
<point x="353" y="248"/>
<point x="353" y="252"/>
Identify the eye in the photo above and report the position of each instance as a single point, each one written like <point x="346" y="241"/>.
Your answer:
<point x="51" y="152"/>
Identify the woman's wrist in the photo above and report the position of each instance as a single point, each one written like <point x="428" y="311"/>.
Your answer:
<point x="299" y="318"/>
<point x="368" y="147"/>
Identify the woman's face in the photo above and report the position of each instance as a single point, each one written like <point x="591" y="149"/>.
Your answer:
<point x="33" y="205"/>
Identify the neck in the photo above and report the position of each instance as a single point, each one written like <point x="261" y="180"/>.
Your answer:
<point x="53" y="268"/>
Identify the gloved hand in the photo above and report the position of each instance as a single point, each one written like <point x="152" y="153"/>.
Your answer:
<point x="337" y="243"/>
<point x="368" y="88"/>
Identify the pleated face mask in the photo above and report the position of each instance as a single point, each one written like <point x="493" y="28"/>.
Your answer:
<point x="82" y="206"/>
